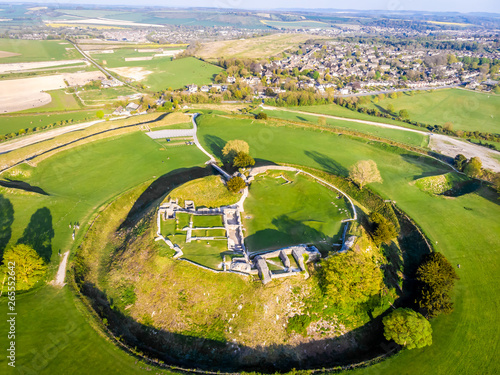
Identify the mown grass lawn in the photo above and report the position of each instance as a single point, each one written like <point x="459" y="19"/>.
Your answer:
<point x="402" y="136"/>
<point x="466" y="229"/>
<point x="465" y="109"/>
<point x="61" y="101"/>
<point x="284" y="214"/>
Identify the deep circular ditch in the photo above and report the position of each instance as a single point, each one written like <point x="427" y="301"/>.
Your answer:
<point x="141" y="296"/>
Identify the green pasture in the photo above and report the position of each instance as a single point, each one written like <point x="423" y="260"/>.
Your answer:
<point x="207" y="221"/>
<point x="466" y="229"/>
<point x="465" y="109"/>
<point x="401" y="136"/>
<point x="13" y="123"/>
<point x="284" y="214"/>
<point x="104" y="95"/>
<point x="166" y="72"/>
<point x="61" y="101"/>
<point x="37" y="50"/>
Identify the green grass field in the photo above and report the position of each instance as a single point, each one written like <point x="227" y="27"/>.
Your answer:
<point x="465" y="109"/>
<point x="285" y="214"/>
<point x="61" y="101"/>
<point x="165" y="71"/>
<point x="401" y="136"/>
<point x="102" y="96"/>
<point x="37" y="50"/>
<point x="466" y="229"/>
<point x="13" y="123"/>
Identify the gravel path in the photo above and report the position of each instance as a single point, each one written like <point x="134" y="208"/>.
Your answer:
<point x="441" y="143"/>
<point x="61" y="272"/>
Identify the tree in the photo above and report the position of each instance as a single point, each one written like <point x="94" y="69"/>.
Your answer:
<point x="404" y="114"/>
<point x="321" y="121"/>
<point x="29" y="266"/>
<point x="351" y="278"/>
<point x="448" y="126"/>
<point x="393" y="95"/>
<point x="459" y="162"/>
<point x="473" y="168"/>
<point x="408" y="328"/>
<point x="243" y="160"/>
<point x="383" y="231"/>
<point x="235" y="184"/>
<point x="390" y="108"/>
<point x="364" y="172"/>
<point x="261" y="116"/>
<point x="100" y="114"/>
<point x="436" y="277"/>
<point x="232" y="148"/>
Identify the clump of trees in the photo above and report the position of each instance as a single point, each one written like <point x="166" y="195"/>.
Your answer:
<point x="382" y="230"/>
<point x="261" y="116"/>
<point x="436" y="278"/>
<point x="408" y="328"/>
<point x="351" y="278"/>
<point x="30" y="267"/>
<point x="364" y="172"/>
<point x="243" y="160"/>
<point x="236" y="184"/>
<point x="472" y="167"/>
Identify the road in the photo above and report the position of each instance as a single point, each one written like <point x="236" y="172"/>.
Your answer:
<point x="441" y="143"/>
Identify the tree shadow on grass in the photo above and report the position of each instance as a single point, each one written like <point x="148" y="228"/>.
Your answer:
<point x="21" y="185"/>
<point x="158" y="189"/>
<point x="39" y="233"/>
<point x="6" y="220"/>
<point x="327" y="163"/>
<point x="216" y="145"/>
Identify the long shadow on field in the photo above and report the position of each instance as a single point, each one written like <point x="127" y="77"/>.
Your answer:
<point x="6" y="220"/>
<point x="327" y="163"/>
<point x="288" y="232"/>
<point x="216" y="145"/>
<point x="159" y="188"/>
<point x="39" y="233"/>
<point x="216" y="354"/>
<point x="263" y="162"/>
<point x="21" y="185"/>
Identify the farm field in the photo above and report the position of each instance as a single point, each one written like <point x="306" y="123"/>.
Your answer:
<point x="160" y="72"/>
<point x="60" y="101"/>
<point x="259" y="47"/>
<point x="402" y="136"/>
<point x="36" y="50"/>
<point x="284" y="214"/>
<point x="102" y="96"/>
<point x="13" y="123"/>
<point x="472" y="241"/>
<point x="466" y="110"/>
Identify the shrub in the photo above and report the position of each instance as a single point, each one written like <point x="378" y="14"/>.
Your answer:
<point x="236" y="184"/>
<point x="261" y="116"/>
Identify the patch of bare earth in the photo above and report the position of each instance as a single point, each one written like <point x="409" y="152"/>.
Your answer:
<point x="137" y="73"/>
<point x="8" y="54"/>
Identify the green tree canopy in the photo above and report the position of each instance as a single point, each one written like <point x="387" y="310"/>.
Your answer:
<point x="261" y="115"/>
<point x="408" y="328"/>
<point x="364" y="172"/>
<point x="383" y="231"/>
<point x="474" y="167"/>
<point x="235" y="184"/>
<point x="243" y="160"/>
<point x="29" y="266"/>
<point x="436" y="277"/>
<point x="459" y="162"/>
<point x="351" y="278"/>
<point x="404" y="114"/>
<point x="390" y="108"/>
<point x="232" y="148"/>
